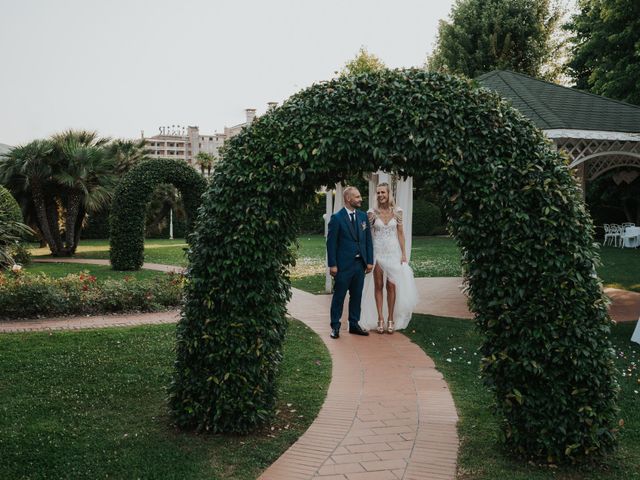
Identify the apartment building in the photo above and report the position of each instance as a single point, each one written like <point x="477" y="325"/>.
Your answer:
<point x="185" y="143"/>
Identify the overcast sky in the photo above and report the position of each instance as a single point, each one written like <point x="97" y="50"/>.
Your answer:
<point x="122" y="66"/>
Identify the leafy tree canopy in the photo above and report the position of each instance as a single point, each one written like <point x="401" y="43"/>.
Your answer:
<point x="485" y="35"/>
<point x="364" y="62"/>
<point x="606" y="47"/>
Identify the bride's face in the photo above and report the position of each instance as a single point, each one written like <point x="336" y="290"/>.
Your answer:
<point x="382" y="195"/>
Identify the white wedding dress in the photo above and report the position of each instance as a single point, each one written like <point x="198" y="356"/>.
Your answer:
<point x="387" y="254"/>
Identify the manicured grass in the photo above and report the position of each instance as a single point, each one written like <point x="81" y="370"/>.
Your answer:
<point x="453" y="344"/>
<point x="91" y="404"/>
<point x="101" y="272"/>
<point x="620" y="268"/>
<point x="431" y="257"/>
<point x="168" y="252"/>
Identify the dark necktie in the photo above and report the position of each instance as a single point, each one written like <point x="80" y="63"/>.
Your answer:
<point x="353" y="219"/>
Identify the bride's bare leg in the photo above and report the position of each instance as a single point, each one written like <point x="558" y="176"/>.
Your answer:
<point x="391" y="301"/>
<point x="378" y="281"/>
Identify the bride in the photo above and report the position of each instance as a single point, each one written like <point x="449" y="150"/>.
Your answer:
<point x="391" y="265"/>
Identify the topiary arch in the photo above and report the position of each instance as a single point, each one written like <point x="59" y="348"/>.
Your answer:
<point x="132" y="197"/>
<point x="512" y="205"/>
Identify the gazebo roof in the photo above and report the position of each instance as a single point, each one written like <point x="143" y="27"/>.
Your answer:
<point x="553" y="107"/>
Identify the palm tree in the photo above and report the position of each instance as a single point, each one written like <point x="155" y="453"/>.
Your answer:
<point x="126" y="154"/>
<point x="87" y="175"/>
<point x="28" y="169"/>
<point x="205" y="161"/>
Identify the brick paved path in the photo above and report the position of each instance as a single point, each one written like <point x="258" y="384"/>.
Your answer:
<point x="388" y="413"/>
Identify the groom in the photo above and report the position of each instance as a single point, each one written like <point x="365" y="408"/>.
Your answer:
<point x="350" y="256"/>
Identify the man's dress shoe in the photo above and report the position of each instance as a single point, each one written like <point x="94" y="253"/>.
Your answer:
<point x="358" y="331"/>
<point x="334" y="333"/>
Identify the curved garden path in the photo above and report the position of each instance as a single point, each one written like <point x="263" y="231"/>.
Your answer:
<point x="388" y="412"/>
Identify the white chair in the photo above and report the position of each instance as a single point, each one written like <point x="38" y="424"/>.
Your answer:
<point x="628" y="224"/>
<point x="611" y="233"/>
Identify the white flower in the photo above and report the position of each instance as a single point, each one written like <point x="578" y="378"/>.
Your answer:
<point x="16" y="268"/>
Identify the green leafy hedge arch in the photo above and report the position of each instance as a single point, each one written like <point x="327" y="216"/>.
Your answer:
<point x="132" y="197"/>
<point x="511" y="203"/>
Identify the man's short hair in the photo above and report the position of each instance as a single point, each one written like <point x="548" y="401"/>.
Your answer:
<point x="347" y="192"/>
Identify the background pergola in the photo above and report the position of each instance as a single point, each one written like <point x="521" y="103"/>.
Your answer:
<point x="597" y="133"/>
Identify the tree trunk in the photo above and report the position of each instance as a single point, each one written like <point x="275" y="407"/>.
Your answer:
<point x="54" y="225"/>
<point x="41" y="212"/>
<point x="73" y="209"/>
<point x="76" y="239"/>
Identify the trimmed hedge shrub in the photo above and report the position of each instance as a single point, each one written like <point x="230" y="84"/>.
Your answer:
<point x="513" y="207"/>
<point x="311" y="217"/>
<point x="97" y="226"/>
<point x="36" y="295"/>
<point x="130" y="202"/>
<point x="9" y="208"/>
<point x="427" y="217"/>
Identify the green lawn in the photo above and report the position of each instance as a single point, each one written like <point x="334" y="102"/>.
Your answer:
<point x="452" y="343"/>
<point x="91" y="404"/>
<point x="620" y="268"/>
<point x="169" y="252"/>
<point x="431" y="257"/>
<point x="101" y="272"/>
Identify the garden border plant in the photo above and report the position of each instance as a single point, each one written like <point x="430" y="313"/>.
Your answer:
<point x="130" y="203"/>
<point x="511" y="203"/>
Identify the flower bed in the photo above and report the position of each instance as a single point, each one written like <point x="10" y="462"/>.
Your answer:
<point x="28" y="296"/>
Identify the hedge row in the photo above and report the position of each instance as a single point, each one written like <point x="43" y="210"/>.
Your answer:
<point x="37" y="295"/>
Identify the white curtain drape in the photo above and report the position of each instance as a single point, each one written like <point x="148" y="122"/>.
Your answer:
<point x="338" y="202"/>
<point x="636" y="333"/>
<point x="404" y="200"/>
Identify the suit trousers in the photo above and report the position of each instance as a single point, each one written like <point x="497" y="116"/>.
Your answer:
<point x="349" y="279"/>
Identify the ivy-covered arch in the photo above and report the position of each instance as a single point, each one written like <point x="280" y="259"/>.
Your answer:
<point x="132" y="197"/>
<point x="512" y="205"/>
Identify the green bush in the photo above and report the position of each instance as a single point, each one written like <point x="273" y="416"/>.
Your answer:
<point x="514" y="208"/>
<point x="9" y="208"/>
<point x="28" y="295"/>
<point x="130" y="202"/>
<point x="426" y="217"/>
<point x="97" y="225"/>
<point x="311" y="216"/>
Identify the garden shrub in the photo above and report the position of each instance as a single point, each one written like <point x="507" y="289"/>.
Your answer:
<point x="130" y="202"/>
<point x="513" y="206"/>
<point x="426" y="217"/>
<point x="97" y="225"/>
<point x="9" y="208"/>
<point x="26" y="295"/>
<point x="311" y="216"/>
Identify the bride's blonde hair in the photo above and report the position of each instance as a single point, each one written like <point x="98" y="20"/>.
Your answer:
<point x="391" y="201"/>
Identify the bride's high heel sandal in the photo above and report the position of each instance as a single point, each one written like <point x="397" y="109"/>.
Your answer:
<point x="380" y="328"/>
<point x="391" y="327"/>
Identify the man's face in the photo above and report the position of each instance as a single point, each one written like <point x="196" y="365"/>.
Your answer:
<point x="355" y="199"/>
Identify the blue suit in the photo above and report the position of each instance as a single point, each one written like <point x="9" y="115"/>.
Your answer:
<point x="350" y="248"/>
